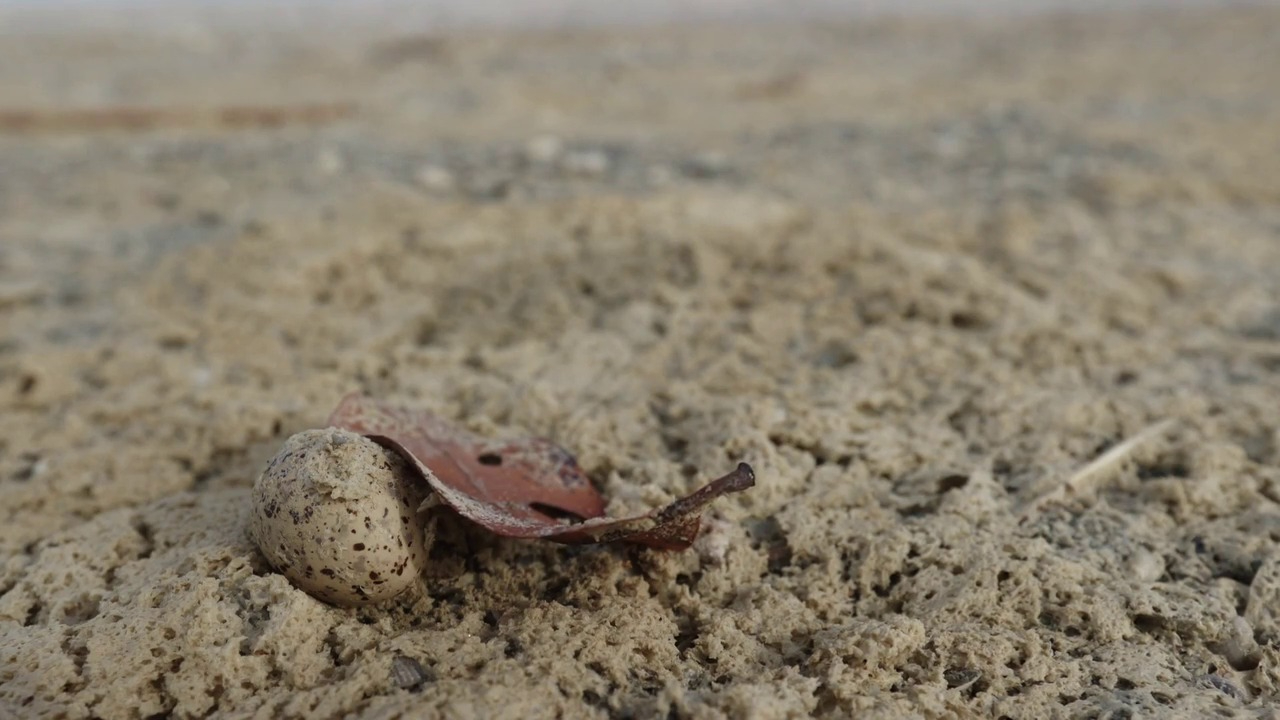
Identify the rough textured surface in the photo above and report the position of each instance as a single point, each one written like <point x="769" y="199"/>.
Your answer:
<point x="919" y="275"/>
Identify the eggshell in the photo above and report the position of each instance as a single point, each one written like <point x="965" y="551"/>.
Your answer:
<point x="337" y="514"/>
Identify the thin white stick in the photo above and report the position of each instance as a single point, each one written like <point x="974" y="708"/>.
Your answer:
<point x="1085" y="479"/>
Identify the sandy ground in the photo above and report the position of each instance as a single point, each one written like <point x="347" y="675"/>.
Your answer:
<point x="992" y="307"/>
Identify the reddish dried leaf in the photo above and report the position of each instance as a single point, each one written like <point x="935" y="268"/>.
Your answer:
<point x="517" y="487"/>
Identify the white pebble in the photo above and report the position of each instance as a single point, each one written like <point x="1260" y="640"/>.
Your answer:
<point x="586" y="162"/>
<point x="1146" y="566"/>
<point x="543" y="149"/>
<point x="329" y="162"/>
<point x="435" y="178"/>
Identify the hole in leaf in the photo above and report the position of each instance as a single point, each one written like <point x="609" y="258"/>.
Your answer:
<point x="490" y="459"/>
<point x="555" y="512"/>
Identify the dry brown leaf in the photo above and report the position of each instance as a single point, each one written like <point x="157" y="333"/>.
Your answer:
<point x="524" y="488"/>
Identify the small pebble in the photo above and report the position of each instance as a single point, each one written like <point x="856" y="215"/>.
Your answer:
<point x="1146" y="566"/>
<point x="435" y="178"/>
<point x="706" y="165"/>
<point x="544" y="149"/>
<point x="586" y="162"/>
<point x="1240" y="649"/>
<point x="1225" y="686"/>
<point x="407" y="673"/>
<point x="329" y="162"/>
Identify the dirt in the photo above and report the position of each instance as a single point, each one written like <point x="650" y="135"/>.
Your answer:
<point x="991" y="307"/>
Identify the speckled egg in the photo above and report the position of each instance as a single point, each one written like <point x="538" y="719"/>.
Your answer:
<point x="337" y="514"/>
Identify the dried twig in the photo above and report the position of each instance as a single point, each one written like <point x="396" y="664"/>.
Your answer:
<point x="1087" y="479"/>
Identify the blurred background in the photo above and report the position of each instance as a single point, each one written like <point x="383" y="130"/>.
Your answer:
<point x="985" y="291"/>
<point x="513" y="13"/>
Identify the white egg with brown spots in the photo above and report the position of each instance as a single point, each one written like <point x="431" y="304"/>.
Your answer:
<point x="337" y="514"/>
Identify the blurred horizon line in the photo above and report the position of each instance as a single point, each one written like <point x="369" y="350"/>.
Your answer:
<point x="283" y="15"/>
